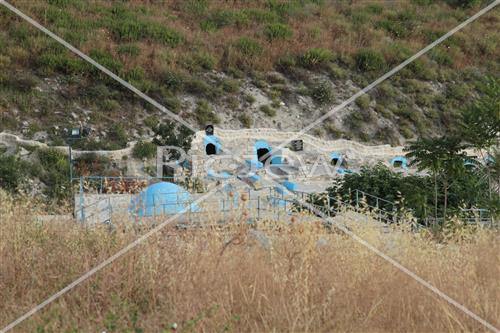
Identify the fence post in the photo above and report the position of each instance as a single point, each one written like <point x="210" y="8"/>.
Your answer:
<point x="378" y="209"/>
<point x="258" y="207"/>
<point x="328" y="205"/>
<point x="357" y="200"/>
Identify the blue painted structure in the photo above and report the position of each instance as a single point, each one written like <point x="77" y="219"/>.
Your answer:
<point x="212" y="140"/>
<point x="261" y="147"/>
<point x="338" y="157"/>
<point x="277" y="160"/>
<point x="254" y="164"/>
<point x="291" y="186"/>
<point x="162" y="198"/>
<point x="399" y="159"/>
<point x="221" y="175"/>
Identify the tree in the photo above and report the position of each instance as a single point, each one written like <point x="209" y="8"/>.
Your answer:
<point x="480" y="122"/>
<point x="169" y="134"/>
<point x="443" y="157"/>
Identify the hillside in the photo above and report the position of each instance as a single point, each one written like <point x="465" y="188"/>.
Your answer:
<point x="243" y="64"/>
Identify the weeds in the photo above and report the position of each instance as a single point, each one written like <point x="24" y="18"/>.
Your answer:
<point x="272" y="276"/>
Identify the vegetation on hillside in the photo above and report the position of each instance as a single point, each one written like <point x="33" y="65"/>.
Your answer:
<point x="170" y="48"/>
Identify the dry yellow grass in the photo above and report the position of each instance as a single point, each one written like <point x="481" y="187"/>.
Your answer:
<point x="308" y="280"/>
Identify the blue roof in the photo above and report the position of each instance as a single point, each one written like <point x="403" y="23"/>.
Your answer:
<point x="162" y="198"/>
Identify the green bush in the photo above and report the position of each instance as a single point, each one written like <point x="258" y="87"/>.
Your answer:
<point x="204" y="114"/>
<point x="12" y="172"/>
<point x="128" y="29"/>
<point x="245" y="120"/>
<point x="217" y="19"/>
<point x="52" y="62"/>
<point x="249" y="46"/>
<point x="129" y="49"/>
<point x="110" y="105"/>
<point x="363" y="101"/>
<point x="231" y="86"/>
<point x="173" y="81"/>
<point x="316" y="57"/>
<point x="250" y="99"/>
<point x="106" y="59"/>
<point x="144" y="150"/>
<point x="369" y="60"/>
<point x="55" y="173"/>
<point x="441" y="57"/>
<point x="117" y="136"/>
<point x="277" y="31"/>
<point x="464" y="3"/>
<point x="322" y="93"/>
<point x="268" y="110"/>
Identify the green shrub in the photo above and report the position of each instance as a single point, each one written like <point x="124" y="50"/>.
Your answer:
<point x="135" y="74"/>
<point x="204" y="114"/>
<point x="55" y="173"/>
<point x="245" y="120"/>
<point x="249" y="46"/>
<point x="336" y="72"/>
<point x="261" y="15"/>
<point x="144" y="150"/>
<point x="173" y="81"/>
<point x="129" y="29"/>
<point x="118" y="135"/>
<point x="51" y="62"/>
<point x="369" y="60"/>
<point x="151" y="121"/>
<point x="363" y="101"/>
<point x="322" y="93"/>
<point x="268" y="110"/>
<point x="316" y="57"/>
<point x="106" y="59"/>
<point x="110" y="105"/>
<point x="218" y="19"/>
<point x="12" y="172"/>
<point x="129" y="49"/>
<point x="204" y="60"/>
<point x="464" y="3"/>
<point x="441" y="57"/>
<point x="231" y="86"/>
<point x="196" y="7"/>
<point x="250" y="99"/>
<point x="277" y="31"/>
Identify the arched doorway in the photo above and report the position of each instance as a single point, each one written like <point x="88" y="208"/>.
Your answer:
<point x="262" y="150"/>
<point x="210" y="149"/>
<point x="263" y="155"/>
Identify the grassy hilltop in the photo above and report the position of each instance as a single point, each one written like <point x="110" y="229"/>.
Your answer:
<point x="243" y="63"/>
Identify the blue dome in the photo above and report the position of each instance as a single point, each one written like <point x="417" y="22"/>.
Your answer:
<point x="162" y="198"/>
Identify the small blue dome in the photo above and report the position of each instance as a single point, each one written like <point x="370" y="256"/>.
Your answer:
<point x="162" y="198"/>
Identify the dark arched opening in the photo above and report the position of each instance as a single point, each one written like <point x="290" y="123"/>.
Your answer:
<point x="263" y="155"/>
<point x="397" y="164"/>
<point x="334" y="161"/>
<point x="210" y="149"/>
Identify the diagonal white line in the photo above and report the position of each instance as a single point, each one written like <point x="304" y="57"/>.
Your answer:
<point x="103" y="264"/>
<point x="399" y="266"/>
<point x="163" y="109"/>
<point x="387" y="75"/>
<point x="96" y="64"/>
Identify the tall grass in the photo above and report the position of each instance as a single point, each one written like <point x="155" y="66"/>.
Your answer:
<point x="270" y="277"/>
